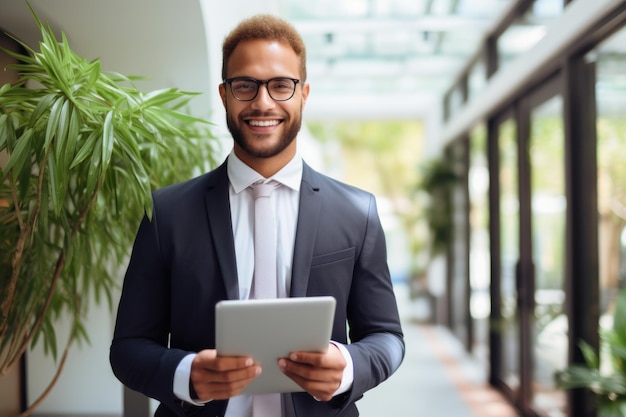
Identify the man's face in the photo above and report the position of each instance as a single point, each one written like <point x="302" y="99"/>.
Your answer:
<point x="263" y="128"/>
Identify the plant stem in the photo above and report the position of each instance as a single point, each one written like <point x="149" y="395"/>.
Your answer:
<point x="25" y="231"/>
<point x="52" y="383"/>
<point x="16" y="262"/>
<point x="25" y="341"/>
<point x="57" y="274"/>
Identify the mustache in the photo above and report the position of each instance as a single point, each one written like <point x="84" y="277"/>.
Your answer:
<point x="259" y="114"/>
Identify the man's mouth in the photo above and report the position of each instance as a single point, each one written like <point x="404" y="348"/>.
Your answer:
<point x="263" y="123"/>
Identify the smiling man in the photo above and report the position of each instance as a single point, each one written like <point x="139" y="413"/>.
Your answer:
<point x="198" y="248"/>
<point x="264" y="122"/>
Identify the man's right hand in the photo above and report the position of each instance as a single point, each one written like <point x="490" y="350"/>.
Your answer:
<point x="216" y="377"/>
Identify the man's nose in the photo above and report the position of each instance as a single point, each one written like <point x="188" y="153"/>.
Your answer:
<point x="263" y="99"/>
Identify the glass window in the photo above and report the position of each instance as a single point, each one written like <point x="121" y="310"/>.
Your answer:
<point x="459" y="250"/>
<point x="476" y="80"/>
<point x="611" y="132"/>
<point x="527" y="30"/>
<point x="479" y="260"/>
<point x="548" y="211"/>
<point x="509" y="252"/>
<point x="455" y="101"/>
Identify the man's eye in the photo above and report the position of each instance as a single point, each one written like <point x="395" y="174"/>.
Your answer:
<point x="244" y="86"/>
<point x="282" y="85"/>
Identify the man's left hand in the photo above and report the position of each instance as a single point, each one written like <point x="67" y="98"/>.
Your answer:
<point x="319" y="374"/>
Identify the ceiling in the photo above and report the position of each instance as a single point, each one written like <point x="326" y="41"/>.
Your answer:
<point x="397" y="55"/>
<point x="366" y="58"/>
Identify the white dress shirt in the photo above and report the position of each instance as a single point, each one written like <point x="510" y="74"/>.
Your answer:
<point x="286" y="200"/>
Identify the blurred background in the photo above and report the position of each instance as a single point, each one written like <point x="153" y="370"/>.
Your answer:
<point x="493" y="133"/>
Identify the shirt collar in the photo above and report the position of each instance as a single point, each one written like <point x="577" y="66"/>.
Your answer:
<point x="241" y="176"/>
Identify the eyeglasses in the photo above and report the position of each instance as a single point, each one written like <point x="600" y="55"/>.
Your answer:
<point x="246" y="89"/>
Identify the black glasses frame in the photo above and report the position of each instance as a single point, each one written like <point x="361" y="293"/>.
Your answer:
<point x="259" y="83"/>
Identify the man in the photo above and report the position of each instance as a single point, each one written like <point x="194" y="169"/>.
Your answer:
<point x="198" y="249"/>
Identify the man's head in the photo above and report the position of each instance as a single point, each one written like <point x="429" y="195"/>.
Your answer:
<point x="264" y="91"/>
<point x="264" y="27"/>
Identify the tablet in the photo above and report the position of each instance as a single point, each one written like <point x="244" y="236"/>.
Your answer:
<point x="269" y="329"/>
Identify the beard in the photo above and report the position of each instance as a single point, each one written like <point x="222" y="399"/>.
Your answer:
<point x="247" y="142"/>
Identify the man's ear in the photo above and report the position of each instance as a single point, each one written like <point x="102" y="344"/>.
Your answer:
<point x="222" y="89"/>
<point x="306" y="88"/>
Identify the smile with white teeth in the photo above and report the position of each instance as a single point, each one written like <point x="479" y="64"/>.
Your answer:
<point x="263" y="123"/>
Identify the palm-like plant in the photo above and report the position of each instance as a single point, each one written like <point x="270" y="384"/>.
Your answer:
<point x="607" y="383"/>
<point x="438" y="182"/>
<point x="85" y="149"/>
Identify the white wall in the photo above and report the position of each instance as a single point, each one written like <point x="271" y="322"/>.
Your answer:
<point x="87" y="384"/>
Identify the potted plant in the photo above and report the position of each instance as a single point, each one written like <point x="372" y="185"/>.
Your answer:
<point x="438" y="182"/>
<point x="85" y="149"/>
<point x="604" y="375"/>
<point x="434" y="191"/>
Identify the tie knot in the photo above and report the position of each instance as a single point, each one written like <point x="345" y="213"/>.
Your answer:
<point x="263" y="189"/>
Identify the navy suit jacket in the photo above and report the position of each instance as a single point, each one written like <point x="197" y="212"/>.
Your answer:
<point x="183" y="263"/>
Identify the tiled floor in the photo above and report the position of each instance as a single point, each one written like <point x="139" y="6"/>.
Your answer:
<point x="436" y="379"/>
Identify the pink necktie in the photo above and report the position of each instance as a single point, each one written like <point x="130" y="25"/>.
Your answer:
<point x="265" y="280"/>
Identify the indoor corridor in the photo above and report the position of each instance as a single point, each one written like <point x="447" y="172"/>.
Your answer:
<point x="437" y="378"/>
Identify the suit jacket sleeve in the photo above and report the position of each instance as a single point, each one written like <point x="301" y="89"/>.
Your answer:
<point x="377" y="347"/>
<point x="349" y="261"/>
<point x="139" y="355"/>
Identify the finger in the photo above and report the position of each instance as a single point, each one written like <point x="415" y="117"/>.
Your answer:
<point x="222" y="385"/>
<point x="332" y="359"/>
<point x="208" y="359"/>
<point x="321" y="390"/>
<point x="228" y="376"/>
<point x="309" y="372"/>
<point x="315" y="359"/>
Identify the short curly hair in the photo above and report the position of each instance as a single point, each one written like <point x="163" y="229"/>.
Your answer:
<point x="267" y="27"/>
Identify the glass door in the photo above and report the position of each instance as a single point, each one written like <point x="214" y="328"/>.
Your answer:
<point x="532" y="324"/>
<point x="508" y="322"/>
<point x="610" y="60"/>
<point x="549" y="325"/>
<point x="479" y="257"/>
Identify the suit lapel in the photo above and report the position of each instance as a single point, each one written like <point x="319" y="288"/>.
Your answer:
<point x="218" y="211"/>
<point x="306" y="231"/>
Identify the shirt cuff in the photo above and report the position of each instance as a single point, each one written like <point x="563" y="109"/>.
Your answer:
<point x="348" y="372"/>
<point x="182" y="379"/>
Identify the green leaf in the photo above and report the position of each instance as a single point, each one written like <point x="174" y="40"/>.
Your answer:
<point x="5" y="87"/>
<point x="61" y="150"/>
<point x="85" y="149"/>
<point x="53" y="187"/>
<point x="619" y="317"/>
<point x="577" y="376"/>
<point x="73" y="136"/>
<point x="591" y="358"/>
<point x="50" y="342"/>
<point x="108" y="139"/>
<point x="94" y="175"/>
<point x="613" y="409"/>
<point x="4" y="132"/>
<point x="53" y="121"/>
<point x="94" y="73"/>
<point x="43" y="106"/>
<point x="21" y="153"/>
<point x="7" y="134"/>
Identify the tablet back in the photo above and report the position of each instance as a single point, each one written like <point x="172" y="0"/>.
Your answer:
<point x="270" y="329"/>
